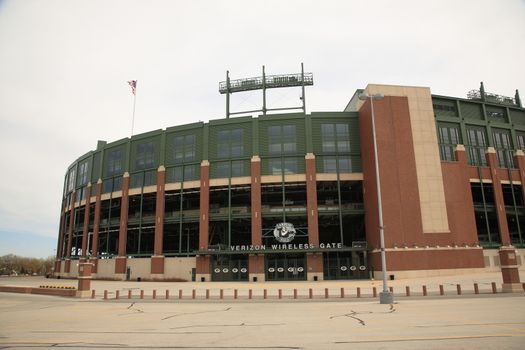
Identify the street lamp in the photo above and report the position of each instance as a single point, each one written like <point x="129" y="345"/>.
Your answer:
<point x="385" y="297"/>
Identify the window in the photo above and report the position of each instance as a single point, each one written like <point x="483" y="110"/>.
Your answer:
<point x="335" y="138"/>
<point x="476" y="145"/>
<point x="520" y="137"/>
<point x="279" y="166"/>
<point x="114" y="162"/>
<point x="145" y="155"/>
<point x="503" y="146"/>
<point x="496" y="114"/>
<point x="71" y="180"/>
<point x="448" y="139"/>
<point x="230" y="143"/>
<point x="184" y="150"/>
<point x="229" y="169"/>
<point x="82" y="173"/>
<point x="339" y="164"/>
<point x="282" y="139"/>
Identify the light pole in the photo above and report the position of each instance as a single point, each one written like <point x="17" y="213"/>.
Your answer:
<point x="385" y="297"/>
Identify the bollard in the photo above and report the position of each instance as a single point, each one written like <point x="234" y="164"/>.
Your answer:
<point x="310" y="293"/>
<point x="154" y="294"/>
<point x="374" y="292"/>
<point x="235" y="294"/>
<point x="407" y="289"/>
<point x="193" y="293"/>
<point x="494" y="289"/>
<point x="141" y="294"/>
<point x="250" y="294"/>
<point x="441" y="290"/>
<point x="180" y="293"/>
<point x="358" y="292"/>
<point x="280" y="293"/>
<point x="295" y="293"/>
<point x="458" y="288"/>
<point x="476" y="288"/>
<point x="221" y="294"/>
<point x="117" y="294"/>
<point x="265" y="294"/>
<point x="93" y="294"/>
<point x="342" y="293"/>
<point x="326" y="293"/>
<point x="129" y="294"/>
<point x="424" y="291"/>
<point x="207" y="294"/>
<point x="105" y="295"/>
<point x="167" y="294"/>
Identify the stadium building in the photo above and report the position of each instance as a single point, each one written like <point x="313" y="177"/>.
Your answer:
<point x="292" y="196"/>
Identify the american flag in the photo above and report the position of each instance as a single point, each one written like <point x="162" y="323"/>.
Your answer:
<point x="133" y="84"/>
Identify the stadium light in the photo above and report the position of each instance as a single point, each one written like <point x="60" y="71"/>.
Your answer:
<point x="385" y="297"/>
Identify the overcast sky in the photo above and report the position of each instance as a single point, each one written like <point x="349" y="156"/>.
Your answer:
<point x="64" y="67"/>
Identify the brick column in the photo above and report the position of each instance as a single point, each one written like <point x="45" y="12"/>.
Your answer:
<point x="311" y="200"/>
<point x="67" y="268"/>
<point x="96" y="226"/>
<point x="157" y="260"/>
<point x="256" y="201"/>
<point x="120" y="260"/>
<point x="507" y="253"/>
<point x="498" y="197"/>
<point x="519" y="160"/>
<point x="203" y="262"/>
<point x="256" y="262"/>
<point x="85" y="228"/>
<point x="314" y="261"/>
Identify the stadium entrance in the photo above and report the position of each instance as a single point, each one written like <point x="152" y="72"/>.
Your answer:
<point x="345" y="265"/>
<point x="285" y="267"/>
<point x="230" y="268"/>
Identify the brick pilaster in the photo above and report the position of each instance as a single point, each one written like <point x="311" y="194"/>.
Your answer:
<point x="311" y="200"/>
<point x="85" y="229"/>
<point x="124" y="204"/>
<point x="256" y="201"/>
<point x="96" y="224"/>
<point x="71" y="224"/>
<point x="204" y="205"/>
<point x="120" y="260"/>
<point x="498" y="197"/>
<point x="157" y="260"/>
<point x="203" y="262"/>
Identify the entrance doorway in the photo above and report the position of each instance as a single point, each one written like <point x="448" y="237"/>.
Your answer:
<point x="229" y="268"/>
<point x="285" y="267"/>
<point x="345" y="265"/>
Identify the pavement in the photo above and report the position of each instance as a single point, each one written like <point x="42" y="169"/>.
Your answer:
<point x="491" y="321"/>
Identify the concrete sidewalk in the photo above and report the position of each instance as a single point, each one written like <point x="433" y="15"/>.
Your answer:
<point x="432" y="284"/>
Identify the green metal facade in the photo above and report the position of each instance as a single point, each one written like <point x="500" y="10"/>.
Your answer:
<point x="254" y="142"/>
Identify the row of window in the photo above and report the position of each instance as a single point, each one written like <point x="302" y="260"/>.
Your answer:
<point x="230" y="217"/>
<point x="282" y="140"/>
<point x="474" y="111"/>
<point x="476" y="144"/>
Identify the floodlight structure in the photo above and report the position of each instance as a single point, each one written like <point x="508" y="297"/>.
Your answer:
<point x="263" y="83"/>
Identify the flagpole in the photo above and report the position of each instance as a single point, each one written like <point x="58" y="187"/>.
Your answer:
<point x="133" y="84"/>
<point x="133" y="119"/>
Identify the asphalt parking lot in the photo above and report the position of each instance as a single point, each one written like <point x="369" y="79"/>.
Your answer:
<point x="481" y="322"/>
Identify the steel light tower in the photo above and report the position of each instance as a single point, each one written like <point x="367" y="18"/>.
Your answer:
<point x="385" y="297"/>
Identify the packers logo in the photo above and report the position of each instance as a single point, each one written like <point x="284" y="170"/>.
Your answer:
<point x="284" y="232"/>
